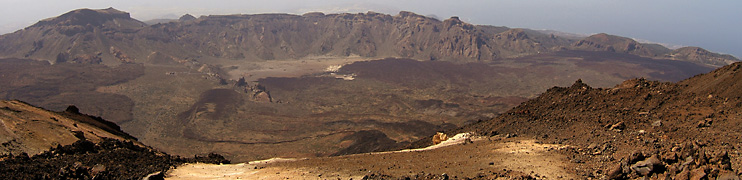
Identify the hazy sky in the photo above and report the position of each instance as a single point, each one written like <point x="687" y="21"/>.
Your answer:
<point x="712" y="24"/>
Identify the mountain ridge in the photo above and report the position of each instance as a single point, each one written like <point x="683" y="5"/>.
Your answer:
<point x="110" y="36"/>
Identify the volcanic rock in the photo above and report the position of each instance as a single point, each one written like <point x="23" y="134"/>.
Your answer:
<point x="577" y="115"/>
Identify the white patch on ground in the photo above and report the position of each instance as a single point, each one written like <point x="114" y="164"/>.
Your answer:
<point x="249" y="171"/>
<point x="252" y="71"/>
<point x="333" y="68"/>
<point x="528" y="156"/>
<point x="457" y="139"/>
<point x="222" y="171"/>
<point x="271" y="160"/>
<point x="524" y="155"/>
<point x="211" y="171"/>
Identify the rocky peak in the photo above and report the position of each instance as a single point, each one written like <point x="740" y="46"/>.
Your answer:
<point x="406" y="14"/>
<point x="607" y="38"/>
<point x="633" y="83"/>
<point x="693" y="50"/>
<point x="700" y="55"/>
<point x="454" y="21"/>
<point x="186" y="17"/>
<point x="72" y="109"/>
<point x="580" y="85"/>
<point x="314" y="14"/>
<point x="513" y="34"/>
<point x="83" y="17"/>
<point x="612" y="43"/>
<point x="606" y="42"/>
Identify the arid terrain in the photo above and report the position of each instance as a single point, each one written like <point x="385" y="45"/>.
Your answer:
<point x="637" y="129"/>
<point x="387" y="103"/>
<point x="482" y="158"/>
<point x="329" y="92"/>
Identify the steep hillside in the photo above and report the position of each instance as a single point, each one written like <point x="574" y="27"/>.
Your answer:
<point x="80" y="36"/>
<point x="611" y="43"/>
<point x="700" y="55"/>
<point x="32" y="130"/>
<point x="110" y="36"/>
<point x="606" y="42"/>
<point x="688" y="129"/>
<point x="41" y="144"/>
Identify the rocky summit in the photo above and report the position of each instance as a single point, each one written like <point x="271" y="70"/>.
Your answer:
<point x="638" y="128"/>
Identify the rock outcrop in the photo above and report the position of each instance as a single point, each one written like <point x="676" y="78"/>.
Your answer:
<point x="639" y="128"/>
<point x="439" y="137"/>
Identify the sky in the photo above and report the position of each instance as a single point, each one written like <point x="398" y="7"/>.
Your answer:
<point x="715" y="25"/>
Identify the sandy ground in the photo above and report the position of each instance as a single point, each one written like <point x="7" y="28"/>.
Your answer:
<point x="455" y="158"/>
<point x="253" y="71"/>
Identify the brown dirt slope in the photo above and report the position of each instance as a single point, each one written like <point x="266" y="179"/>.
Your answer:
<point x="638" y="128"/>
<point x="32" y="130"/>
<point x="41" y="144"/>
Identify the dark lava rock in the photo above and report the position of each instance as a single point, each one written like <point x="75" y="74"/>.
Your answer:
<point x="108" y="159"/>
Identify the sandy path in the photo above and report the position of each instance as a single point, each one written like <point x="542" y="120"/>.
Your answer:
<point x="455" y="159"/>
<point x="528" y="156"/>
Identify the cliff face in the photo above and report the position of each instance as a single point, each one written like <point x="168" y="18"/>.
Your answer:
<point x="110" y="36"/>
<point x="281" y="36"/>
<point x="79" y="36"/>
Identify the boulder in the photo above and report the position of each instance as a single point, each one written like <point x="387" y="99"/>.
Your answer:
<point x="439" y="137"/>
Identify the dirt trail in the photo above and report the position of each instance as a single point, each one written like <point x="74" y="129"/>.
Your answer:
<point x="528" y="156"/>
<point x="480" y="156"/>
